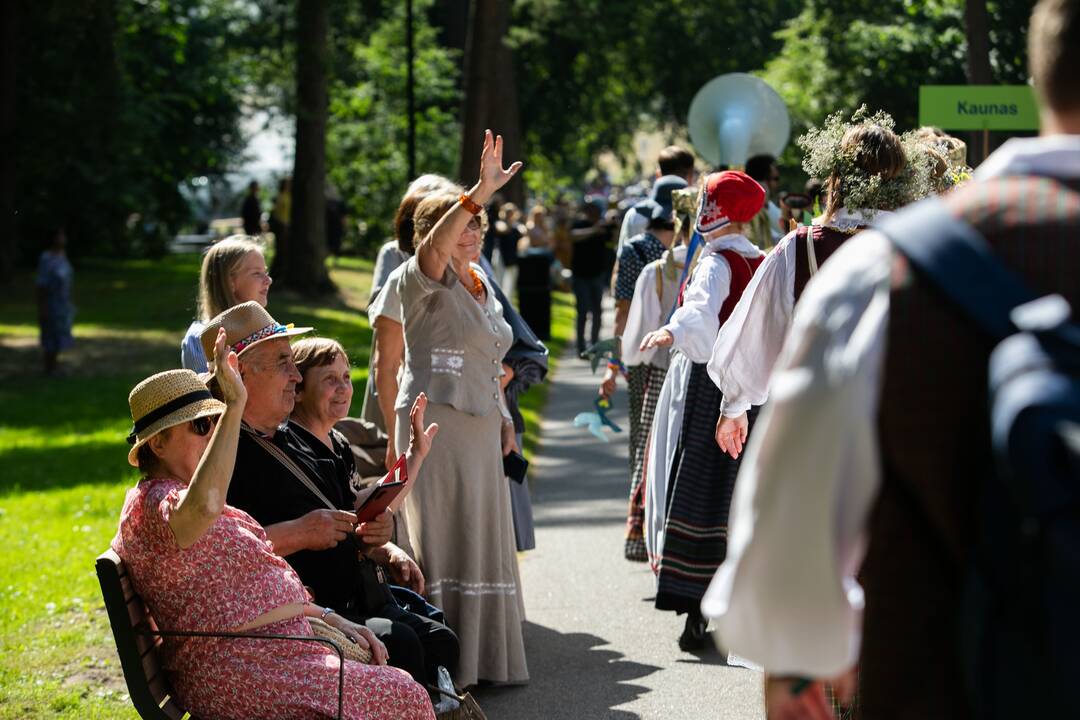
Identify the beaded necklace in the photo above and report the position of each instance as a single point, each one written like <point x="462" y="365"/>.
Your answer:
<point x="477" y="289"/>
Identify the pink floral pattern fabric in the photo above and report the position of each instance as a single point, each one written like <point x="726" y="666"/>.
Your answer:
<point x="226" y="579"/>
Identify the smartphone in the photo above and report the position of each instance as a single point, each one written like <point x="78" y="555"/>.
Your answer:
<point x="379" y="499"/>
<point x="515" y="466"/>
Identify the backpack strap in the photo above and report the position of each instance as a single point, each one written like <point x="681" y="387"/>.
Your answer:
<point x="957" y="258"/>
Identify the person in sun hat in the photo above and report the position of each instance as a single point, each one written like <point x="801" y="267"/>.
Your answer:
<point x="202" y="564"/>
<point x="246" y="326"/>
<point x="689" y="481"/>
<point x="310" y="518"/>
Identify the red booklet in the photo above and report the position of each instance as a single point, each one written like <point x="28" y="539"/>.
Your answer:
<point x="386" y="490"/>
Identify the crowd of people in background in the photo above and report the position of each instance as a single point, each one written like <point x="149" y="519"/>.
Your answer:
<point x="808" y="421"/>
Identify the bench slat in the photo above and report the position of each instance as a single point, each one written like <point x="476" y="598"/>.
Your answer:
<point x="127" y="587"/>
<point x="136" y="611"/>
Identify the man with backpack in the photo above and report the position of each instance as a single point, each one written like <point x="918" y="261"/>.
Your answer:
<point x="922" y="438"/>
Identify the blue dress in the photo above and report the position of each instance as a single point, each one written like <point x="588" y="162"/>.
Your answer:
<point x="55" y="276"/>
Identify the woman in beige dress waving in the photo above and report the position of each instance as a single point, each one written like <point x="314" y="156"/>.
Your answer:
<point x="459" y="518"/>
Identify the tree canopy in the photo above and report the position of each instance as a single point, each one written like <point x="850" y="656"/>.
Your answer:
<point x="119" y="104"/>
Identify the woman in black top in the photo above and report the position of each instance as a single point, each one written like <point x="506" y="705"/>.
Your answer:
<point x="415" y="643"/>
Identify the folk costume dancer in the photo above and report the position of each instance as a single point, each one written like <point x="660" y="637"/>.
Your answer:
<point x="870" y="172"/>
<point x="690" y="481"/>
<point x="656" y="294"/>
<point x="788" y="596"/>
<point x="634" y="256"/>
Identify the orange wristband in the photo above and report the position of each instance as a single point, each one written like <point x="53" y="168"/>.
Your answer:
<point x="468" y="204"/>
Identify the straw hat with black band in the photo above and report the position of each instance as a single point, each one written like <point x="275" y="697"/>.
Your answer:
<point x="161" y="401"/>
<point x="246" y="325"/>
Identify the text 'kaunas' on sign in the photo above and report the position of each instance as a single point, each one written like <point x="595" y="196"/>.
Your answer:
<point x="978" y="107"/>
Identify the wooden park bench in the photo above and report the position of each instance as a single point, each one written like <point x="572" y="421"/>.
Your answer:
<point x="138" y="639"/>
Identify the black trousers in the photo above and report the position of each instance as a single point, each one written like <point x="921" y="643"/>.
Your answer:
<point x="415" y="643"/>
<point x="589" y="294"/>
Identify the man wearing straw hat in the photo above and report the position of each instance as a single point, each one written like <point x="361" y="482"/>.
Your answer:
<point x="307" y="507"/>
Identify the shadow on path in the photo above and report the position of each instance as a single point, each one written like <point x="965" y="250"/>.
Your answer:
<point x="572" y="678"/>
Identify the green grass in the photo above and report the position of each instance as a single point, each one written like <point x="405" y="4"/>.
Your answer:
<point x="532" y="402"/>
<point x="63" y="469"/>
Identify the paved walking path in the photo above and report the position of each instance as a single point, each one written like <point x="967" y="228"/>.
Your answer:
<point x="596" y="646"/>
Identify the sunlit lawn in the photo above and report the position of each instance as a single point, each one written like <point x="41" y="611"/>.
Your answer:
<point x="63" y="471"/>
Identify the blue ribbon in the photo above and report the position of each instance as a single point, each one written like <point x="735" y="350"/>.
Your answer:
<point x="696" y="241"/>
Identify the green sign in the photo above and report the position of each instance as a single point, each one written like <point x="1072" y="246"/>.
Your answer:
<point x="978" y="107"/>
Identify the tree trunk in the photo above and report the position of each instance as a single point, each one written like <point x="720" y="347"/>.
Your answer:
<point x="304" y="268"/>
<point x="976" y="26"/>
<point x="491" y="98"/>
<point x="451" y="17"/>
<point x="8" y="34"/>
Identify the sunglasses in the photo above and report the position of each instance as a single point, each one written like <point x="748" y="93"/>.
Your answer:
<point x="203" y="425"/>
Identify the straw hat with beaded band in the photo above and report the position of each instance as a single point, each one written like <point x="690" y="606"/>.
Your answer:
<point x="246" y="325"/>
<point x="161" y="401"/>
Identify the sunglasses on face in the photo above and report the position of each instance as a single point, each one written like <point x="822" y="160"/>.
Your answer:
<point x="203" y="425"/>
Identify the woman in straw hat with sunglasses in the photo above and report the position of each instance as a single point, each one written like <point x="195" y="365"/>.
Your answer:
<point x="203" y="565"/>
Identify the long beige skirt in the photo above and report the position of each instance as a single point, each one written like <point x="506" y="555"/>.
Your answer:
<point x="462" y="530"/>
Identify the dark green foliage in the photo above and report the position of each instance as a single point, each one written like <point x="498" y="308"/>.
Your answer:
<point x="367" y="129"/>
<point x="840" y="55"/>
<point x="592" y="71"/>
<point x="118" y="102"/>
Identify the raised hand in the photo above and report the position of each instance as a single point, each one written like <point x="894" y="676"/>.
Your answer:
<point x="492" y="174"/>
<point x="227" y="372"/>
<point x="420" y="437"/>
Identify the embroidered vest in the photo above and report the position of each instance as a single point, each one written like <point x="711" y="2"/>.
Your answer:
<point x="935" y="450"/>
<point x="826" y="241"/>
<point x="742" y="270"/>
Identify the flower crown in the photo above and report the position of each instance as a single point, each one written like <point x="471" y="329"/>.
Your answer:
<point x="825" y="155"/>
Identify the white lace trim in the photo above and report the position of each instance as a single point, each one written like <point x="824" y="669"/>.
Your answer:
<point x="465" y="588"/>
<point x="846" y="220"/>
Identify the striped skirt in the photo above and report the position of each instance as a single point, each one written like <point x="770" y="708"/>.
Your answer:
<point x="701" y="482"/>
<point x="644" y="382"/>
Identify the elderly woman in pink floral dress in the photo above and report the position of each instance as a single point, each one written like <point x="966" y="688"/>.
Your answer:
<point x="202" y="565"/>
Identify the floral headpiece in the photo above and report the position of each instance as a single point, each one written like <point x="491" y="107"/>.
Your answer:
<point x="824" y="155"/>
